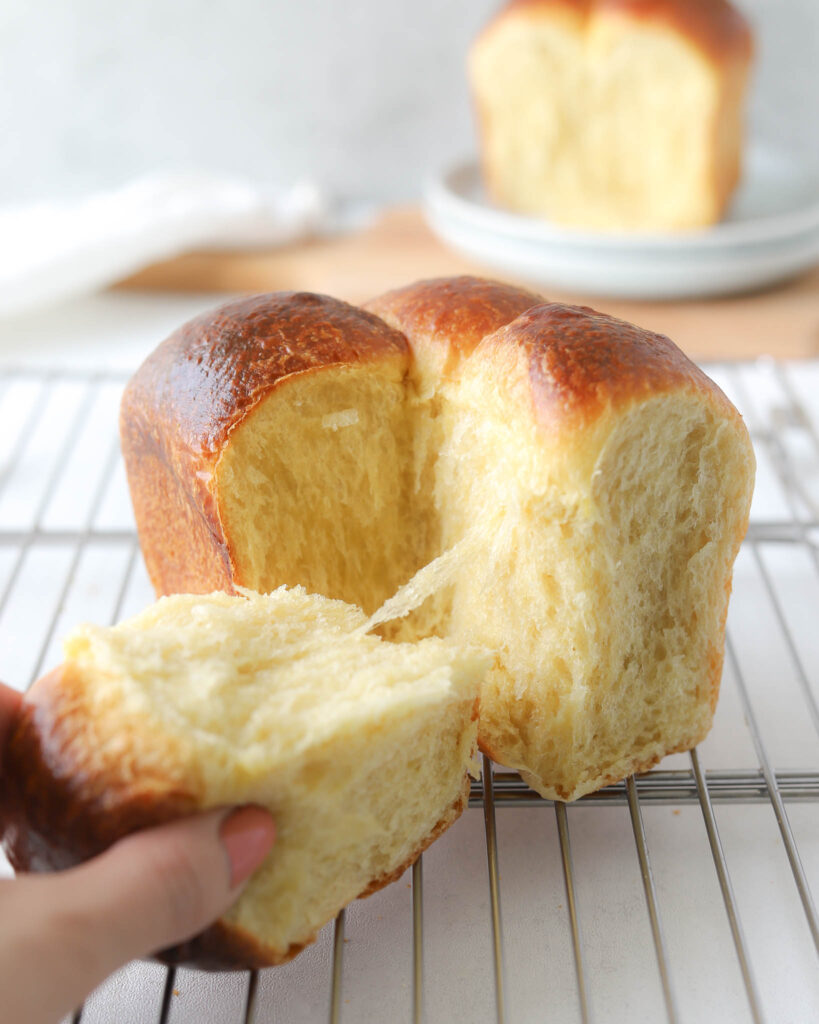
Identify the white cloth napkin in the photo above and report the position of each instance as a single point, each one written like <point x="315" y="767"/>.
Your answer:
<point x="53" y="250"/>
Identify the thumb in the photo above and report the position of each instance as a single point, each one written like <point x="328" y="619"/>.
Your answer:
<point x="150" y="890"/>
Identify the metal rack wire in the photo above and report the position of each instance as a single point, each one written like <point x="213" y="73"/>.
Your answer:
<point x="68" y="551"/>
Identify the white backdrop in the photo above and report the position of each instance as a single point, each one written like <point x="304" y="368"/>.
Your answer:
<point x="365" y="96"/>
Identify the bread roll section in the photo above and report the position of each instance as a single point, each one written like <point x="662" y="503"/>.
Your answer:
<point x="310" y="390"/>
<point x="609" y="613"/>
<point x="592" y="483"/>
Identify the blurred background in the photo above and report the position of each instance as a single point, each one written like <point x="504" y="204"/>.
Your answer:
<point x="366" y="97"/>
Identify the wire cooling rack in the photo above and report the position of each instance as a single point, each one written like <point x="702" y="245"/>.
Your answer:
<point x="683" y="894"/>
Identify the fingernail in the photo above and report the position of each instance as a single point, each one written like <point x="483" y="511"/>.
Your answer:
<point x="247" y="834"/>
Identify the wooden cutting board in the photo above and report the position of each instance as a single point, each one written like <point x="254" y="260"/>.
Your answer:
<point x="399" y="247"/>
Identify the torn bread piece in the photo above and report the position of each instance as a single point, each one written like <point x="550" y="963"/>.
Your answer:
<point x="358" y="747"/>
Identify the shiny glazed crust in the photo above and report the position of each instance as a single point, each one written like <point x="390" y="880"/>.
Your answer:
<point x="180" y="407"/>
<point x="453" y="314"/>
<point x="584" y="365"/>
<point x="580" y="363"/>
<point x="59" y="808"/>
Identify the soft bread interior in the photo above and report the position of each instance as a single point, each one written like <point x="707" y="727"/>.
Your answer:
<point x="329" y="483"/>
<point x="577" y="558"/>
<point x="359" y="747"/>
<point x="313" y="485"/>
<point x="608" y="560"/>
<point x="602" y="121"/>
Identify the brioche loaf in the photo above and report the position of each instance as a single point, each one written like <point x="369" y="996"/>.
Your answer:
<point x="358" y="747"/>
<point x="594" y="483"/>
<point x="612" y="114"/>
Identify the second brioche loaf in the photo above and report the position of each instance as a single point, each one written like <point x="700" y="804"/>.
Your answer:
<point x="613" y="114"/>
<point x="598" y="481"/>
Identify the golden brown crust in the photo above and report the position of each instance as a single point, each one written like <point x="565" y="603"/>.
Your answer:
<point x="182" y="540"/>
<point x="56" y="809"/>
<point x="180" y="407"/>
<point x="452" y="312"/>
<point x="715" y="26"/>
<point x="56" y="812"/>
<point x="234" y="355"/>
<point x="581" y="363"/>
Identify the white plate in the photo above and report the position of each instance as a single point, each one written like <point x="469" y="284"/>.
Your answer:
<point x="771" y="233"/>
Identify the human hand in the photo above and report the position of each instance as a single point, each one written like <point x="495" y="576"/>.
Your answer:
<point x="62" y="934"/>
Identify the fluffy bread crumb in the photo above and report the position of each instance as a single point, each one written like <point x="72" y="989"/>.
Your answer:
<point x="358" y="747"/>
